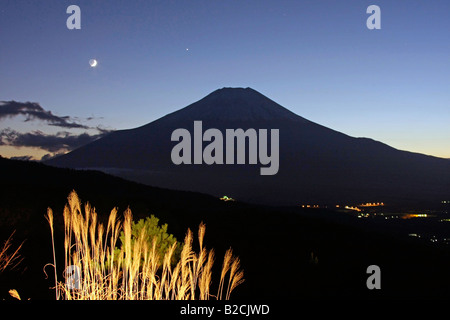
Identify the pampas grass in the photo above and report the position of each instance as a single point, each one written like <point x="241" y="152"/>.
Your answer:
<point x="136" y="273"/>
<point x="13" y="293"/>
<point x="9" y="259"/>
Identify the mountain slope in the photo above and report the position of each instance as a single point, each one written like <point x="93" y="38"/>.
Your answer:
<point x="317" y="164"/>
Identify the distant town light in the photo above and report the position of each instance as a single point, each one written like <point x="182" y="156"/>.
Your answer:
<point x="316" y="206"/>
<point x="226" y="198"/>
<point x="352" y="208"/>
<point x="372" y="204"/>
<point x="414" y="215"/>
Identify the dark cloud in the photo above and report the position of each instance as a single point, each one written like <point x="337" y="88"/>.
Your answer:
<point x="60" y="142"/>
<point x="33" y="111"/>
<point x="55" y="144"/>
<point x="23" y="158"/>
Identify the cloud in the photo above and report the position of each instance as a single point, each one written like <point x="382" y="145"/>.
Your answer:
<point x="33" y="111"/>
<point x="55" y="143"/>
<point x="49" y="156"/>
<point x="23" y="158"/>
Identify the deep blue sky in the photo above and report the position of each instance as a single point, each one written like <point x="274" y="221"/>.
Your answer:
<point x="316" y="57"/>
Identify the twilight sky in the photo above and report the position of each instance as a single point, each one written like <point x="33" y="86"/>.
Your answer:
<point x="316" y="58"/>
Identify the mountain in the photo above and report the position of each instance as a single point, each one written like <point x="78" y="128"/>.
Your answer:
<point x="316" y="164"/>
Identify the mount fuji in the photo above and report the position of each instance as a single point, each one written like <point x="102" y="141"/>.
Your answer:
<point x="317" y="165"/>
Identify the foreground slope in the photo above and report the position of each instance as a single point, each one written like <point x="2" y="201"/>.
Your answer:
<point x="286" y="253"/>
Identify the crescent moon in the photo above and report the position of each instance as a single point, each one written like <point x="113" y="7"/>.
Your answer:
<point x="93" y="63"/>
